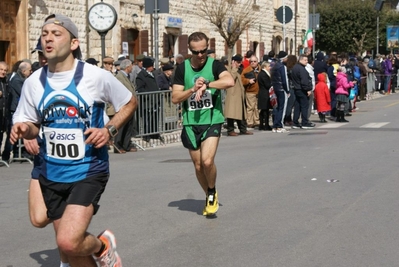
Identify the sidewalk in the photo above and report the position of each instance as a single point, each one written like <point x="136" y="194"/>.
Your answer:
<point x="174" y="137"/>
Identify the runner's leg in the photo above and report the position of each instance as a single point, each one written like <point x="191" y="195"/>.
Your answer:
<point x="72" y="237"/>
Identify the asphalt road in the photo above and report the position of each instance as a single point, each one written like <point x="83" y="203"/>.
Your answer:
<point x="277" y="206"/>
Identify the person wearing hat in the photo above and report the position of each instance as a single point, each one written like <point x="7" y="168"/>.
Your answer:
<point x="281" y="88"/>
<point x="146" y="82"/>
<point x="162" y="63"/>
<point x="165" y="83"/>
<point x="108" y="63"/>
<point x="137" y="67"/>
<point x="122" y="141"/>
<point x="39" y="50"/>
<point x="79" y="175"/>
<point x="117" y="66"/>
<point x="234" y="103"/>
<point x="92" y="61"/>
<point x="164" y="79"/>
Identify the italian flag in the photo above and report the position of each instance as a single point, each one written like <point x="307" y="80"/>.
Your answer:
<point x="308" y="40"/>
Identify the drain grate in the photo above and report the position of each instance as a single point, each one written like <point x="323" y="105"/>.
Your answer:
<point x="176" y="160"/>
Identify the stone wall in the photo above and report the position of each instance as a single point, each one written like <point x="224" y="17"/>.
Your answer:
<point x="262" y="31"/>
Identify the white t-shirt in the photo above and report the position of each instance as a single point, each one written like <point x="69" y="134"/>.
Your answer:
<point x="65" y="111"/>
<point x="94" y="78"/>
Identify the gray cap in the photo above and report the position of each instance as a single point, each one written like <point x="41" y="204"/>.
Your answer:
<point x="63" y="21"/>
<point x="67" y="23"/>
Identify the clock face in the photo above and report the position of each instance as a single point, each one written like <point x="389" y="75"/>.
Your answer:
<point x="102" y="17"/>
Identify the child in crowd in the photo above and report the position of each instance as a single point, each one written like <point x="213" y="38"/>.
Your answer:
<point x="342" y="92"/>
<point x="322" y="96"/>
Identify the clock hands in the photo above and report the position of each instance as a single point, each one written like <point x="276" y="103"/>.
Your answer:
<point x="99" y="15"/>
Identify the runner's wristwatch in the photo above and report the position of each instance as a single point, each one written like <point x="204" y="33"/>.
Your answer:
<point x="207" y="82"/>
<point x="112" y="130"/>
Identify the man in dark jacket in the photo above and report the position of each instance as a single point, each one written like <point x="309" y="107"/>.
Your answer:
<point x="3" y="99"/>
<point x="319" y="65"/>
<point x="280" y="84"/>
<point x="303" y="88"/>
<point x="149" y="104"/>
<point x="15" y="87"/>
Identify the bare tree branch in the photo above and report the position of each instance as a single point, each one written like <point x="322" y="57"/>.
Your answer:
<point x="239" y="13"/>
<point x="360" y="43"/>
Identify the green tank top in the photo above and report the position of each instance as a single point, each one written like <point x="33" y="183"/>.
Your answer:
<point x="208" y="110"/>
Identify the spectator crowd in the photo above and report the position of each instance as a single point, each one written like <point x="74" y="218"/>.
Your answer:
<point x="328" y="85"/>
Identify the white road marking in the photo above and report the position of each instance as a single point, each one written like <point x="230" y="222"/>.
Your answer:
<point x="332" y="125"/>
<point x="374" y="125"/>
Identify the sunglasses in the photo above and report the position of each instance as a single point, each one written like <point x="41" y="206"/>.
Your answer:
<point x="199" y="52"/>
<point x="254" y="61"/>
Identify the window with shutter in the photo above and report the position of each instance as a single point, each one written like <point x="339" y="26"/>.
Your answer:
<point x="261" y="50"/>
<point x="239" y="47"/>
<point x="143" y="36"/>
<point x="183" y="45"/>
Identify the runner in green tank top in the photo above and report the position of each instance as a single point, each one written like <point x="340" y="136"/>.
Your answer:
<point x="197" y="85"/>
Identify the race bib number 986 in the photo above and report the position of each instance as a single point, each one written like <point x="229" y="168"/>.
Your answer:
<point x="65" y="144"/>
<point x="204" y="103"/>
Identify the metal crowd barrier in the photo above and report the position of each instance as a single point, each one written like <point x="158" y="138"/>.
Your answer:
<point x="155" y="114"/>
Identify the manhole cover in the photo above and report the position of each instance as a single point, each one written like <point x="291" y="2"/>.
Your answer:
<point x="176" y="160"/>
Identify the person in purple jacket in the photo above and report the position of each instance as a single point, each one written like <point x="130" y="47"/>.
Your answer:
<point x="386" y="67"/>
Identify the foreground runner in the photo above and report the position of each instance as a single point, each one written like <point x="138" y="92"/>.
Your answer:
<point x="197" y="85"/>
<point x="66" y="100"/>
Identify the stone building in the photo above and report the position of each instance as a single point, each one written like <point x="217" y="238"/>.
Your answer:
<point x="133" y="34"/>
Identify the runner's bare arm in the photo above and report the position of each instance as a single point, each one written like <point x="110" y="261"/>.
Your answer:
<point x="179" y="94"/>
<point x="225" y="81"/>
<point x="27" y="130"/>
<point x="99" y="137"/>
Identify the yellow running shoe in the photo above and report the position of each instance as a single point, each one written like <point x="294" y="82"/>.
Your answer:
<point x="211" y="205"/>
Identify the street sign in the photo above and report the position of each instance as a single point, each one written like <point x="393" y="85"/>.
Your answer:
<point x="280" y="15"/>
<point x="162" y="6"/>
<point x="314" y="19"/>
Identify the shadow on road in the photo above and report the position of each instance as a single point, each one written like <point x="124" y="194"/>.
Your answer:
<point x="47" y="258"/>
<point x="193" y="205"/>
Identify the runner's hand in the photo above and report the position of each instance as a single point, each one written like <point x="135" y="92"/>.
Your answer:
<point x="98" y="137"/>
<point x="200" y="93"/>
<point x="18" y="131"/>
<point x="199" y="88"/>
<point x="32" y="146"/>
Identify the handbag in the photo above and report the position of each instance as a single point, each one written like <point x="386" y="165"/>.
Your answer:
<point x="272" y="98"/>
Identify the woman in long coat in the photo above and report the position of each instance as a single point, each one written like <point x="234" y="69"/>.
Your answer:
<point x="265" y="82"/>
<point x="234" y="105"/>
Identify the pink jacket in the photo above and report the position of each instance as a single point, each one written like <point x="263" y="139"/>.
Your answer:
<point x="343" y="85"/>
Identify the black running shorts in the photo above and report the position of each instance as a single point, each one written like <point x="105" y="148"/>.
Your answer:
<point x="84" y="192"/>
<point x="37" y="161"/>
<point x="193" y="135"/>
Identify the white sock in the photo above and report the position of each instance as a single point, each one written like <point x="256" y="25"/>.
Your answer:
<point x="63" y="264"/>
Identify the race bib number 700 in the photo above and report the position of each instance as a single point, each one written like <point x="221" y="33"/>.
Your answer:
<point x="65" y="144"/>
<point x="204" y="103"/>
